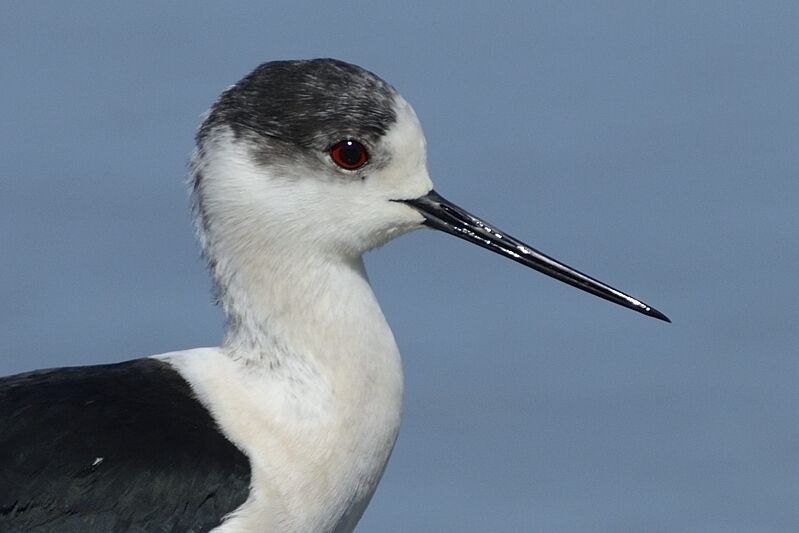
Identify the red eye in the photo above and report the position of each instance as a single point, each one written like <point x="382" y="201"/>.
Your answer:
<point x="349" y="154"/>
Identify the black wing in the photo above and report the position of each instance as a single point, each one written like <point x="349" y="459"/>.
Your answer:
<point x="122" y="447"/>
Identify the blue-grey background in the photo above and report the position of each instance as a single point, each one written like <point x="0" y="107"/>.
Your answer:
<point x="653" y="145"/>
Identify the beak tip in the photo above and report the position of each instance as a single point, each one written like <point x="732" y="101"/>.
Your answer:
<point x="654" y="313"/>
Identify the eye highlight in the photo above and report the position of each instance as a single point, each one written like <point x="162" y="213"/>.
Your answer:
<point x="349" y="154"/>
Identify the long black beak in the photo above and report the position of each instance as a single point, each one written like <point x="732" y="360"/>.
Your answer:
<point x="448" y="217"/>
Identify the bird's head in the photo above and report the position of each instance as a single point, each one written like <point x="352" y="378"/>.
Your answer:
<point x="320" y="158"/>
<point x="312" y="155"/>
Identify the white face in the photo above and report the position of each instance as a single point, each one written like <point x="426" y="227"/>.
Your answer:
<point x="311" y="202"/>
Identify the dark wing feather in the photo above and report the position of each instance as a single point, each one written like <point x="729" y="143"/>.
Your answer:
<point x="122" y="447"/>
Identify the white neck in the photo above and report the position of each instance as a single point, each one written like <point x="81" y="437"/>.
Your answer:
<point x="323" y="308"/>
<point x="309" y="377"/>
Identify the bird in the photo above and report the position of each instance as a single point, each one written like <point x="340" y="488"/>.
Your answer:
<point x="299" y="169"/>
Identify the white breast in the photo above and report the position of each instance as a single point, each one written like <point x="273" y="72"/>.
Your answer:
<point x="318" y="430"/>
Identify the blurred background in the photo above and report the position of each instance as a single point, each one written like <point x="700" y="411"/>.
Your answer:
<point x="652" y="145"/>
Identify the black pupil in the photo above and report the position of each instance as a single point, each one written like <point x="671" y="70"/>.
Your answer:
<point x="351" y="152"/>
